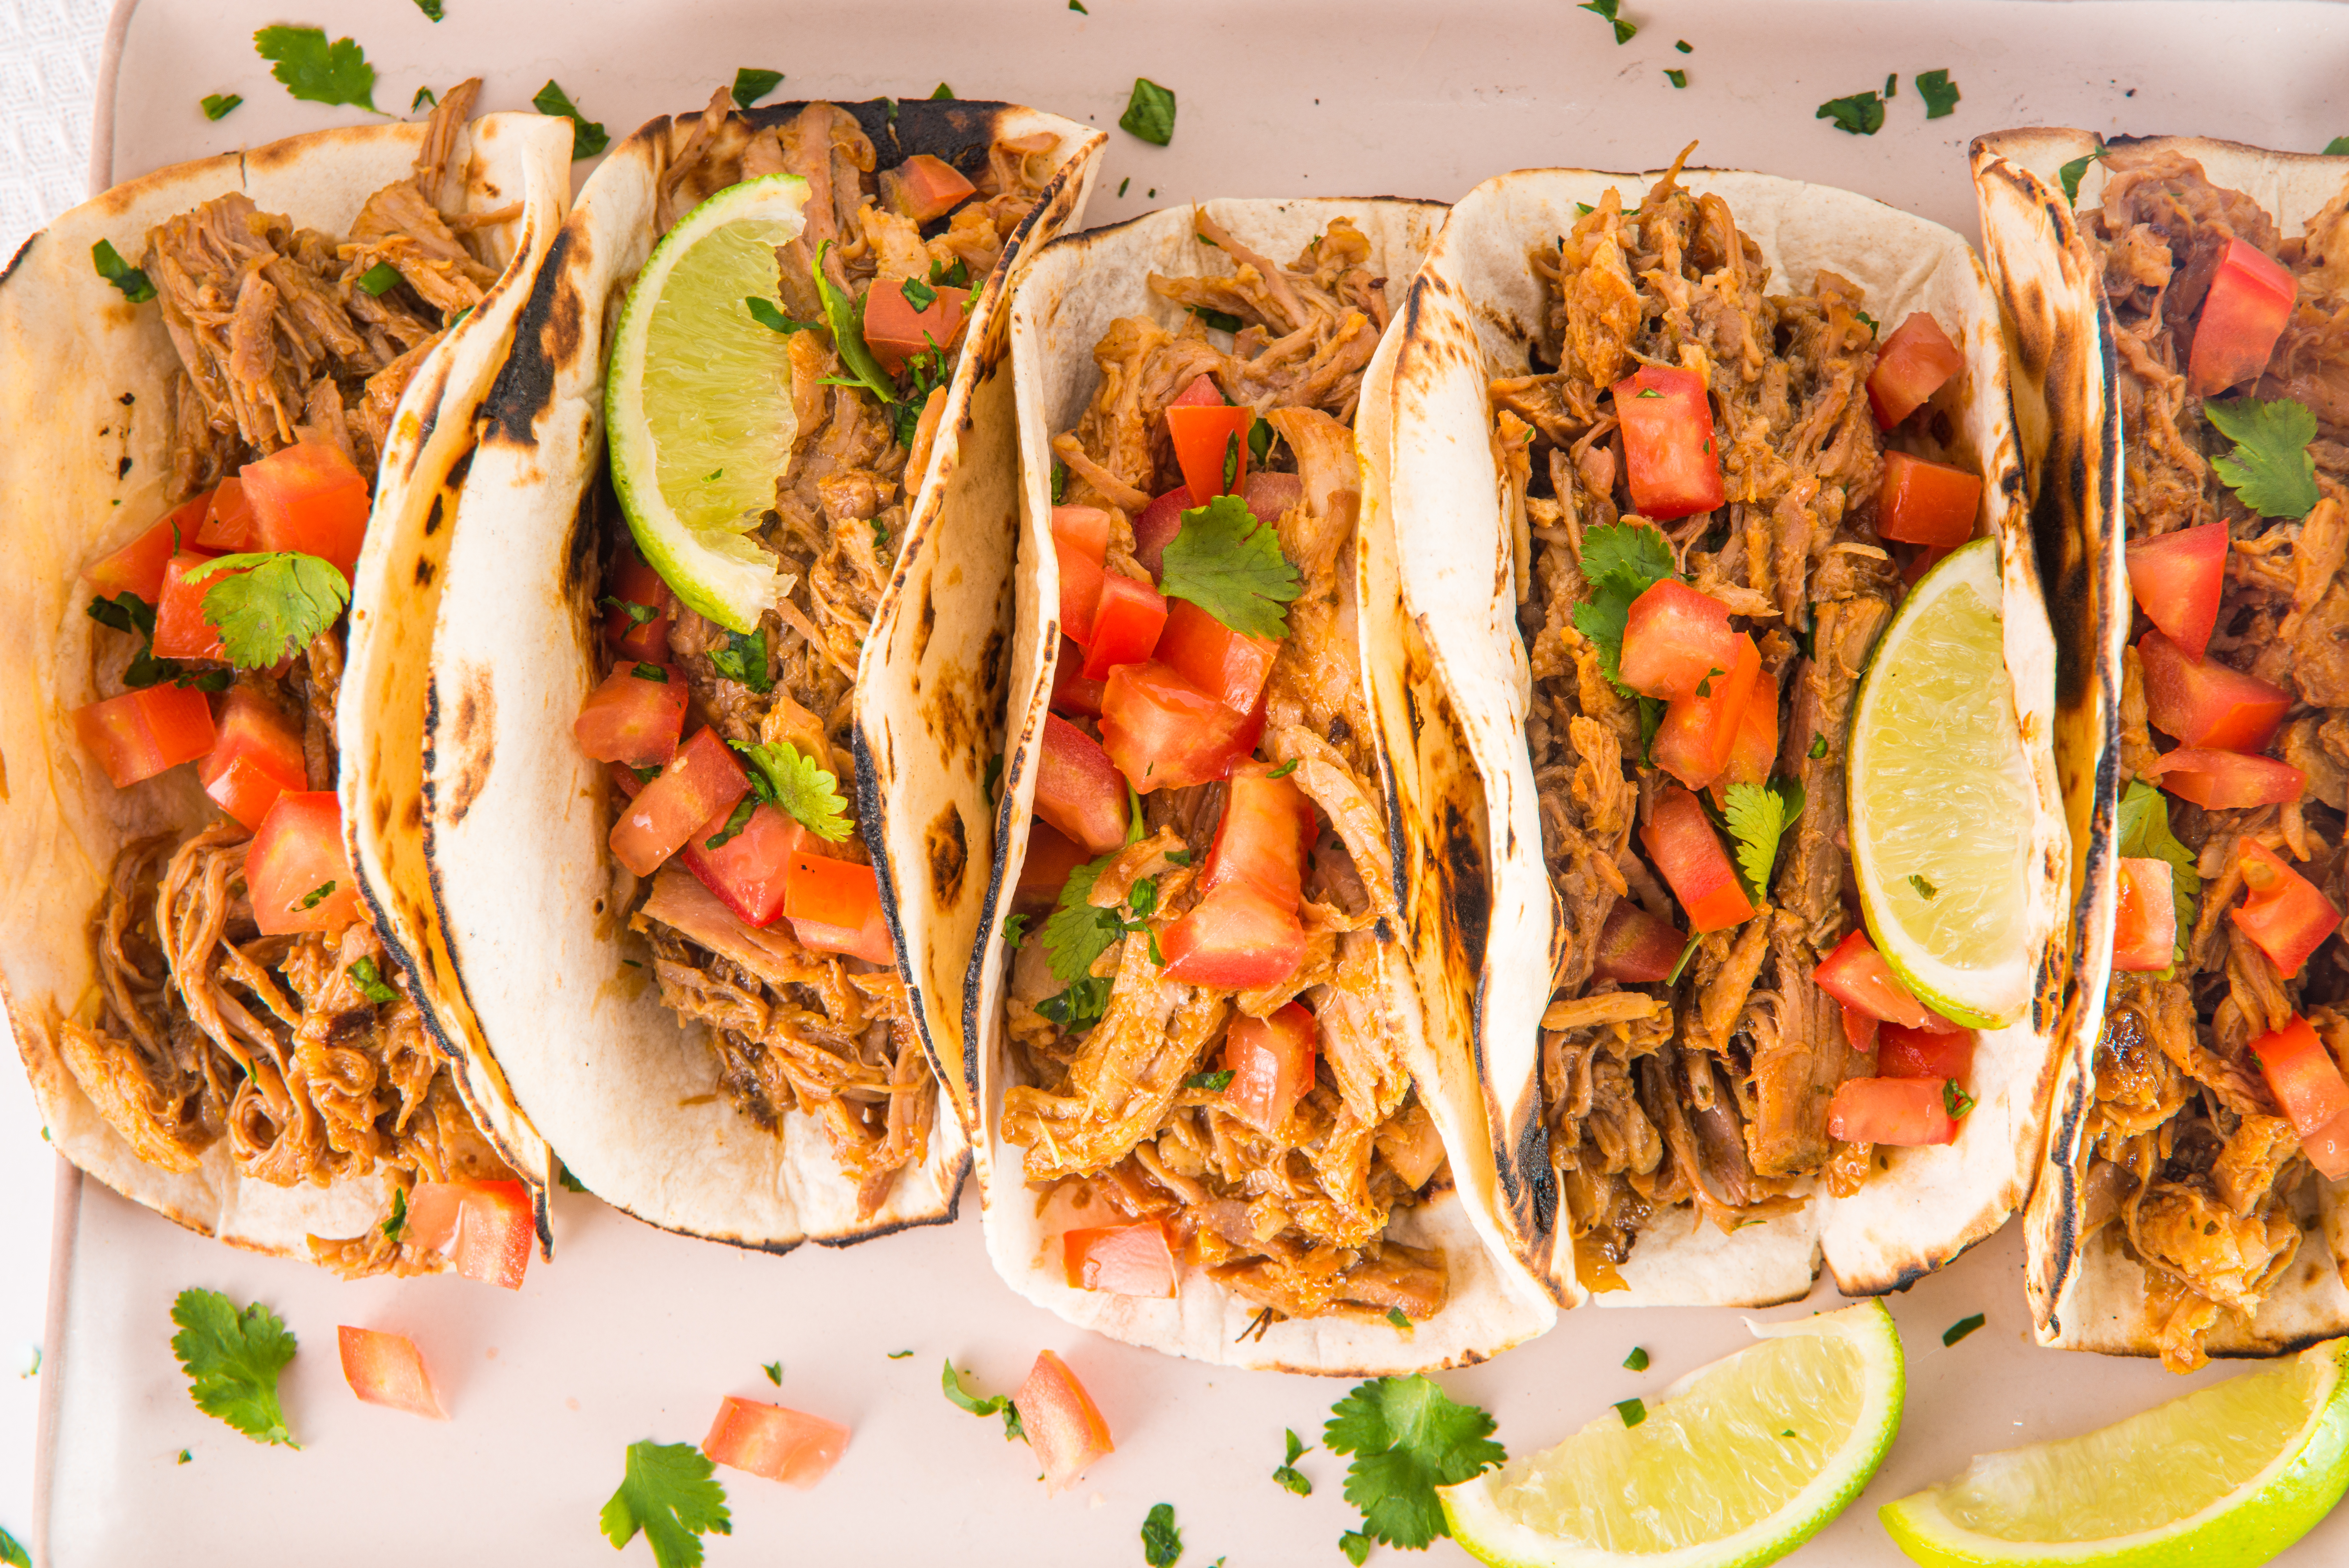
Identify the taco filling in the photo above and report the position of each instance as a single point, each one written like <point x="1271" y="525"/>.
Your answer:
<point x="1205" y="1066"/>
<point x="1719" y="495"/>
<point x="2217" y="1086"/>
<point x="729" y="747"/>
<point x="244" y="994"/>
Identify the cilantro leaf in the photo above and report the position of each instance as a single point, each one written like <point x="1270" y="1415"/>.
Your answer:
<point x="2144" y="832"/>
<point x="764" y="312"/>
<point x="399" y="1221"/>
<point x="2336" y="147"/>
<point x="1355" y="1545"/>
<point x="1620" y="561"/>
<point x="1957" y="1102"/>
<point x="425" y="98"/>
<point x="1224" y="321"/>
<point x="2271" y="471"/>
<point x="1677" y="78"/>
<point x="1940" y="93"/>
<point x="744" y="659"/>
<point x="1400" y="1318"/>
<point x="1077" y="933"/>
<point x="1857" y="114"/>
<point x="918" y="295"/>
<point x="379" y="279"/>
<point x="1213" y="1083"/>
<point x="1624" y="31"/>
<point x="2070" y="174"/>
<point x="1288" y="1475"/>
<point x="1015" y="929"/>
<point x="1081" y="1007"/>
<point x="1149" y="112"/>
<point x="845" y="316"/>
<point x="587" y="140"/>
<point x="1632" y="1411"/>
<point x="16" y="1556"/>
<point x="751" y="84"/>
<point x="432" y="8"/>
<point x="134" y="282"/>
<point x="671" y="1492"/>
<point x="562" y="1173"/>
<point x="233" y="1360"/>
<point x="638" y="614"/>
<point x="774" y="1371"/>
<point x="369" y="979"/>
<point x="1758" y="815"/>
<point x="215" y="105"/>
<point x="1960" y="1328"/>
<point x="271" y="603"/>
<point x="1407" y="1438"/>
<point x="781" y="776"/>
<point x="994" y="1405"/>
<point x="736" y="822"/>
<point x="942" y="92"/>
<point x="317" y="71"/>
<point x="1637" y="1360"/>
<point x="1228" y="564"/>
<point x="1162" y="1544"/>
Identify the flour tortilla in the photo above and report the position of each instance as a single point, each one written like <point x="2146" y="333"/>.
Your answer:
<point x="1472" y="314"/>
<point x="2085" y="1293"/>
<point x="529" y="904"/>
<point x="1075" y="288"/>
<point x="87" y="401"/>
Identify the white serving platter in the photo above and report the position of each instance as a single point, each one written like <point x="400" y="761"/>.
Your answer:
<point x="633" y="1334"/>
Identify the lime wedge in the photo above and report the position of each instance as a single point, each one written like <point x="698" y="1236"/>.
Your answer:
<point x="1742" y="1461"/>
<point x="1942" y="797"/>
<point x="2230" y="1475"/>
<point x="698" y="399"/>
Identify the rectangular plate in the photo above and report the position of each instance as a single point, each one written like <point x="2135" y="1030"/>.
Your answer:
<point x="633" y="1334"/>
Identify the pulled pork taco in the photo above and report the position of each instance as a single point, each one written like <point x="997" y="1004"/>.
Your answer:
<point x="747" y="481"/>
<point x="2193" y="313"/>
<point x="1214" y="1119"/>
<point x="1671" y="457"/>
<point x="224" y="380"/>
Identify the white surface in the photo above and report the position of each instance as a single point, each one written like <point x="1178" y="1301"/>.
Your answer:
<point x="632" y="1334"/>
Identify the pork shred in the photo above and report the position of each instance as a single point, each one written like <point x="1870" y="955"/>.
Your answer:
<point x="205" y="1029"/>
<point x="2196" y="1175"/>
<point x="794" y="1029"/>
<point x="1711" y="1093"/>
<point x="1113" y="1117"/>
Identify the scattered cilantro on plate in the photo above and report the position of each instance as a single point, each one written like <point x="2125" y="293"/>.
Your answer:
<point x="670" y="1491"/>
<point x="16" y="1556"/>
<point x="1407" y="1438"/>
<point x="1162" y="1544"/>
<point x="751" y="84"/>
<point x="587" y="140"/>
<point x="2071" y="173"/>
<point x="135" y="284"/>
<point x="218" y="104"/>
<point x="1960" y="1328"/>
<point x="1149" y="112"/>
<point x="232" y="1359"/>
<point x="315" y="71"/>
<point x="994" y="1405"/>
<point x="1859" y="114"/>
<point x="1608" y="10"/>
<point x="1940" y="93"/>
<point x="1288" y="1475"/>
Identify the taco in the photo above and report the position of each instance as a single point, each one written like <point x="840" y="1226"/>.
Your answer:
<point x="2183" y="332"/>
<point x="714" y="1005"/>
<point x="1214" y="1121"/>
<point x="1652" y="518"/>
<point x="230" y="380"/>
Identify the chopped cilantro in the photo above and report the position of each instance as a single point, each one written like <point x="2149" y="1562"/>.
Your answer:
<point x="319" y="894"/>
<point x="1925" y="890"/>
<point x="1818" y="747"/>
<point x="918" y="295"/>
<point x="638" y="614"/>
<point x="1637" y="1360"/>
<point x="425" y="98"/>
<point x="1940" y="93"/>
<point x="845" y="316"/>
<point x="1224" y="561"/>
<point x="571" y="1183"/>
<point x="1150" y="112"/>
<point x="1162" y="1544"/>
<point x="1259" y="442"/>
<point x="134" y="284"/>
<point x="1015" y="929"/>
<point x="1401" y="1319"/>
<point x="1232" y="461"/>
<point x="1633" y="1411"/>
<point x="317" y="71"/>
<point x="2071" y="173"/>
<point x="744" y="659"/>
<point x="735" y="822"/>
<point x="398" y="1223"/>
<point x="2336" y="147"/>
<point x="670" y="1491"/>
<point x="751" y="84"/>
<point x="1624" y="31"/>
<point x="1892" y="86"/>
<point x="899" y="1354"/>
<point x="2271" y="472"/>
<point x="1222" y="321"/>
<point x="270" y="604"/>
<point x="2144" y="833"/>
<point x="185" y="1458"/>
<point x="379" y="279"/>
<point x="957" y="276"/>
<point x="16" y="1556"/>
<point x="1955" y="1100"/>
<point x="232" y="1359"/>
<point x="994" y="775"/>
<point x="1355" y="1545"/>
<point x="1620" y="562"/>
<point x="996" y="1405"/>
<point x="1960" y="1328"/>
<point x="1407" y="1438"/>
<point x="809" y="795"/>
<point x="432" y="8"/>
<point x="649" y="672"/>
<point x="1213" y="1083"/>
<point x="1684" y="46"/>
<point x="1677" y="78"/>
<point x="369" y="979"/>
<point x="1288" y="1475"/>
<point x="587" y="140"/>
<point x="1859" y="114"/>
<point x="942" y="91"/>
<point x="1079" y="7"/>
<point x="764" y="312"/>
<point x="1870" y="320"/>
<point x="1124" y="183"/>
<point x="774" y="1371"/>
<point x="218" y="104"/>
<point x="1080" y="1006"/>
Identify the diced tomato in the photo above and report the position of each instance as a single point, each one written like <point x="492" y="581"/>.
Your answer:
<point x="2145" y="925"/>
<point x="632" y="718"/>
<point x="297" y="872"/>
<point x="2250" y="299"/>
<point x="1158" y="523"/>
<point x="1071" y="693"/>
<point x="1051" y="858"/>
<point x="749" y="871"/>
<point x="1688" y="852"/>
<point x="1268" y="496"/>
<point x="2206" y="703"/>
<point x="785" y="1445"/>
<point x="1635" y="947"/>
<point x="180" y="630"/>
<point x="308" y="497"/>
<point x="1859" y="1027"/>
<point x="1224" y="663"/>
<point x="1203" y="393"/>
<point x="256" y="758"/>
<point x="1856" y="974"/>
<point x="138" y="566"/>
<point x="1668" y="448"/>
<point x="1126" y="624"/>
<point x="634" y="582"/>
<point x="700" y="781"/>
<point x="1121" y="1259"/>
<point x="228" y="525"/>
<point x="1233" y="939"/>
<point x="1673" y="639"/>
<point x="1925" y="559"/>
<point x="2177" y="578"/>
<point x="1080" y="540"/>
<point x="924" y="188"/>
<point x="1162" y="732"/>
<point x="1271" y="1064"/>
<point x="485" y="1228"/>
<point x="895" y="331"/>
<point x="836" y="907"/>
<point x="1923" y="1054"/>
<point x="2281" y="910"/>
<point x="1699" y="730"/>
<point x="1906" y="1113"/>
<point x="2306" y="1083"/>
<point x="2224" y="780"/>
<point x="1911" y="367"/>
<point x="1210" y="442"/>
<point x="1262" y="838"/>
<point x="385" y="1369"/>
<point x="1078" y="789"/>
<point x="1754" y="752"/>
<point x="1927" y="503"/>
<point x="1063" y="1426"/>
<point x="139" y="734"/>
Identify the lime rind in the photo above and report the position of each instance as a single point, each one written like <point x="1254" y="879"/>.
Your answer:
<point x="1489" y="1515"/>
<point x="697" y="401"/>
<point x="2247" y="1524"/>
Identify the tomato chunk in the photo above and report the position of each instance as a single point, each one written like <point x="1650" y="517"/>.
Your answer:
<point x="1262" y="838"/>
<point x="632" y="719"/>
<point x="385" y="1369"/>
<point x="1071" y="693"/>
<point x="2206" y="703"/>
<point x="1906" y="1113"/>
<point x="924" y="188"/>
<point x="1234" y="938"/>
<point x="228" y="525"/>
<point x="700" y="781"/>
<point x="256" y="758"/>
<point x="2177" y="579"/>
<point x="1699" y="730"/>
<point x="309" y="498"/>
<point x="2145" y="925"/>
<point x="2221" y="780"/>
<point x="1080" y="540"/>
<point x="1051" y="856"/>
<point x="1203" y="393"/>
<point x="1754" y="752"/>
<point x="1126" y="623"/>
<point x="141" y="733"/>
<point x="1857" y="976"/>
<point x="1268" y="496"/>
<point x="749" y="871"/>
<point x="484" y="1228"/>
<point x="785" y="1445"/>
<point x="836" y="907"/>
<point x="1224" y="663"/>
<point x="895" y="331"/>
<point x="1927" y="503"/>
<point x="1859" y="1027"/>
<point x="138" y="567"/>
<point x="1210" y="445"/>
<point x="1673" y="637"/>
<point x="297" y="872"/>
<point x="1158" y="523"/>
<point x="1064" y="1427"/>
<point x="1635" y="947"/>
<point x="1078" y="789"/>
<point x="2250" y="299"/>
<point x="1669" y="457"/>
<point x="1911" y="367"/>
<point x="634" y="582"/>
<point x="2308" y="1086"/>
<point x="1688" y="852"/>
<point x="181" y="632"/>
<point x="2281" y="910"/>
<point x="1924" y="1054"/>
<point x="1271" y="1064"/>
<point x="1162" y="732"/>
<point x="1122" y="1260"/>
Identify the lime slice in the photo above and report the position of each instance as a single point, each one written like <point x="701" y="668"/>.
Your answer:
<point x="1743" y="1463"/>
<point x="698" y="399"/>
<point x="1942" y="798"/>
<point x="2230" y="1475"/>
